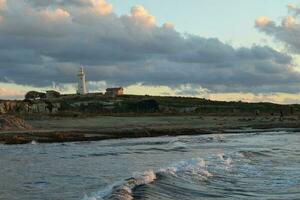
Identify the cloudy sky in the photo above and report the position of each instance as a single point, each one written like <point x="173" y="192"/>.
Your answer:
<point x="225" y="50"/>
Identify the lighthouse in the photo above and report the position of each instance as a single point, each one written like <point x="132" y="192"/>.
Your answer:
<point x="81" y="82"/>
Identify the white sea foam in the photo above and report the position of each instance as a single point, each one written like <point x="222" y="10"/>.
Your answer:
<point x="197" y="168"/>
<point x="207" y="173"/>
<point x="123" y="190"/>
<point x="179" y="144"/>
<point x="227" y="161"/>
<point x="219" y="137"/>
<point x="145" y="178"/>
<point x="221" y="156"/>
<point x="201" y="163"/>
<point x="123" y="193"/>
<point x="34" y="142"/>
<point x="104" y="192"/>
<point x="91" y="198"/>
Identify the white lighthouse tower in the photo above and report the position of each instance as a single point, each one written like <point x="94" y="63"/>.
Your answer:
<point x="81" y="82"/>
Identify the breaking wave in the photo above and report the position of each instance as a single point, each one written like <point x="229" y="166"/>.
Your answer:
<point x="123" y="190"/>
<point x="224" y="168"/>
<point x="230" y="166"/>
<point x="194" y="169"/>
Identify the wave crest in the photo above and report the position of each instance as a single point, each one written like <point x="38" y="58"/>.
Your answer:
<point x="194" y="168"/>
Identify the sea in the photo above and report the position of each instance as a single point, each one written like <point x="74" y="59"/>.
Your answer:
<point x="246" y="164"/>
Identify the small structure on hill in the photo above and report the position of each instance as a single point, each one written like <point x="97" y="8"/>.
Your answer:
<point x="81" y="82"/>
<point x="113" y="92"/>
<point x="50" y="94"/>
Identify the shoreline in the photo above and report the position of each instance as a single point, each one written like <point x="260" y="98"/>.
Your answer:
<point x="104" y="127"/>
<point x="56" y="136"/>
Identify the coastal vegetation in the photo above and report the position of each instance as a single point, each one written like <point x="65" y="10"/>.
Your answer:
<point x="99" y="104"/>
<point x="90" y="117"/>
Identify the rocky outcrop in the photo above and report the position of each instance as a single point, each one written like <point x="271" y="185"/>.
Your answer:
<point x="44" y="107"/>
<point x="7" y="106"/>
<point x="16" y="139"/>
<point x="8" y="122"/>
<point x="13" y="106"/>
<point x="93" y="135"/>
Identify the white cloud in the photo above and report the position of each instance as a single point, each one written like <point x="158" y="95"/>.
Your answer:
<point x="292" y="6"/>
<point x="58" y="14"/>
<point x="168" y="25"/>
<point x="294" y="9"/>
<point x="289" y="22"/>
<point x="262" y="21"/>
<point x="101" y="7"/>
<point x="2" y="4"/>
<point x="140" y="14"/>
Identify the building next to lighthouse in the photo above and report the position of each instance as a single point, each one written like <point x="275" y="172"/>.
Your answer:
<point x="113" y="92"/>
<point x="47" y="102"/>
<point x="81" y="90"/>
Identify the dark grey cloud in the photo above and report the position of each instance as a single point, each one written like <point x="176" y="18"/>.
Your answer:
<point x="45" y="41"/>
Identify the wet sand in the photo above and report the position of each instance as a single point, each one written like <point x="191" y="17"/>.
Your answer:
<point x="107" y="127"/>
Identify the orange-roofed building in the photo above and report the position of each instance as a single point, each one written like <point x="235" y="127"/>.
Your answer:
<point x="114" y="91"/>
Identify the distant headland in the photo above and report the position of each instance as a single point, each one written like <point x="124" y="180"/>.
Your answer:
<point x="53" y="117"/>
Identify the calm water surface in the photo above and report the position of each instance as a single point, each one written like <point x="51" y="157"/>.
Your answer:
<point x="232" y="166"/>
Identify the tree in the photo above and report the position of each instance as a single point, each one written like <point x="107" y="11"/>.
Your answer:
<point x="33" y="95"/>
<point x="149" y="105"/>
